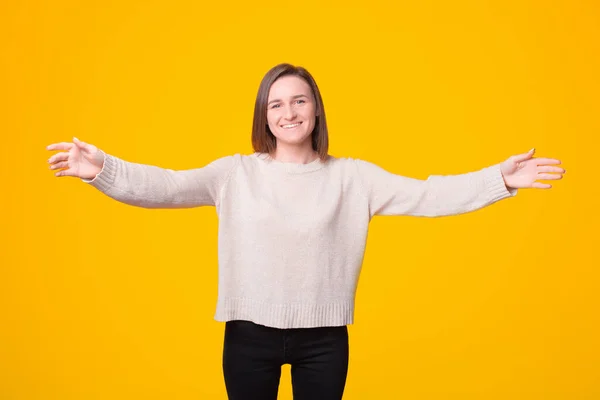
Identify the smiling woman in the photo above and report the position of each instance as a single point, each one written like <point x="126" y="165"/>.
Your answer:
<point x="293" y="224"/>
<point x="294" y="126"/>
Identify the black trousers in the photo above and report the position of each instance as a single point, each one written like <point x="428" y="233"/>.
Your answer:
<point x="253" y="355"/>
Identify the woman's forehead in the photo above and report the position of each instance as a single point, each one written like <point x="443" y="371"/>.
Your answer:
<point x="288" y="86"/>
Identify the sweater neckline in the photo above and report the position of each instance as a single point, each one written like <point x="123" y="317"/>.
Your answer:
<point x="289" y="167"/>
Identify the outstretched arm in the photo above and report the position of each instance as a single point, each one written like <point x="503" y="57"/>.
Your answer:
<point x="138" y="184"/>
<point x="442" y="195"/>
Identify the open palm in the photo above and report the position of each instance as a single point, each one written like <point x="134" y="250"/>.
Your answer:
<point x="522" y="171"/>
<point x="77" y="159"/>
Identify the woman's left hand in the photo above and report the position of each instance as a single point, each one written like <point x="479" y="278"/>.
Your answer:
<point x="522" y="171"/>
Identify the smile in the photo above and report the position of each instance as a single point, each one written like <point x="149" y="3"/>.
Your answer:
<point x="291" y="126"/>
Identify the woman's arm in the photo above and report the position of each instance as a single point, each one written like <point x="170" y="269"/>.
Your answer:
<point x="153" y="187"/>
<point x="142" y="185"/>
<point x="442" y="195"/>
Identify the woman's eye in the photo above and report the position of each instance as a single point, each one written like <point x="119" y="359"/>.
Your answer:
<point x="275" y="106"/>
<point x="301" y="101"/>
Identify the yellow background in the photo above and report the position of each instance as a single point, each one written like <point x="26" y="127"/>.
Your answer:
<point x="99" y="300"/>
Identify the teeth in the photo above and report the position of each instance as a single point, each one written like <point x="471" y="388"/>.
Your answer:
<point x="291" y="125"/>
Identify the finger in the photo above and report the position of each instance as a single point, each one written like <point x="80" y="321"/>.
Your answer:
<point x="551" y="169"/>
<point x="549" y="176"/>
<point x="66" y="172"/>
<point x="547" y="161"/>
<point x="59" y="165"/>
<point x="58" y="157"/>
<point x="86" y="147"/>
<point x="60" y="146"/>
<point x="539" y="185"/>
<point x="524" y="156"/>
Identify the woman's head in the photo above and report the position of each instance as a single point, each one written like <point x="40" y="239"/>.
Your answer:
<point x="289" y="109"/>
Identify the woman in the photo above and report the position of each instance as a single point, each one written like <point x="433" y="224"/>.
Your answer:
<point x="292" y="230"/>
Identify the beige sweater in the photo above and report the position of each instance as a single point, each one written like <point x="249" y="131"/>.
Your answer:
<point x="292" y="236"/>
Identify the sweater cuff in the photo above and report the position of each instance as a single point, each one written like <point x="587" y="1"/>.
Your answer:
<point x="495" y="184"/>
<point x="106" y="177"/>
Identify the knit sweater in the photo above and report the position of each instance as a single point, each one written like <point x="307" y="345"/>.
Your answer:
<point x="291" y="237"/>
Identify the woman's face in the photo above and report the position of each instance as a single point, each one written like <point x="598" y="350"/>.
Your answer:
<point x="291" y="111"/>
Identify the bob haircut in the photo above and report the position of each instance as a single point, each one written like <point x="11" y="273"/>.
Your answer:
<point x="263" y="140"/>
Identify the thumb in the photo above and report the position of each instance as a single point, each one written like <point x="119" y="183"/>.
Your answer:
<point x="525" y="156"/>
<point x="82" y="145"/>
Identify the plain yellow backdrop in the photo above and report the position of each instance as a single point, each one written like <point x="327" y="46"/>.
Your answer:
<point x="99" y="300"/>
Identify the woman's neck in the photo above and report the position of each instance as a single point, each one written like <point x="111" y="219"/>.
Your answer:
<point x="295" y="155"/>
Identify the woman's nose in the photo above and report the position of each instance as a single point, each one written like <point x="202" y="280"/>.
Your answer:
<point x="290" y="113"/>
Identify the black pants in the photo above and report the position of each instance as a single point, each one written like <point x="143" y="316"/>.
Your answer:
<point x="253" y="355"/>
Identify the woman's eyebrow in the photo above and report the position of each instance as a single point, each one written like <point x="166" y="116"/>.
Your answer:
<point x="293" y="97"/>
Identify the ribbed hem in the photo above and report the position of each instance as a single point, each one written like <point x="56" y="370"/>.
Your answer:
<point x="495" y="183"/>
<point x="285" y="316"/>
<point x="105" y="178"/>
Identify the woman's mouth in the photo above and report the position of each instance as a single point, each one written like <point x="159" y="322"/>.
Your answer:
<point x="291" y="126"/>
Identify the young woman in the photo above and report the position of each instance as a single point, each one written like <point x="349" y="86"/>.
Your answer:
<point x="293" y="224"/>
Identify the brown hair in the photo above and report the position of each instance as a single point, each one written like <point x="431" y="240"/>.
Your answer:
<point x="263" y="141"/>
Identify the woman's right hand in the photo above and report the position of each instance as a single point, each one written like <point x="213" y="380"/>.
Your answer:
<point x="77" y="159"/>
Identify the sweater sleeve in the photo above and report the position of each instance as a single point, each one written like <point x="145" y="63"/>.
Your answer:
<point x="149" y="186"/>
<point x="438" y="195"/>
